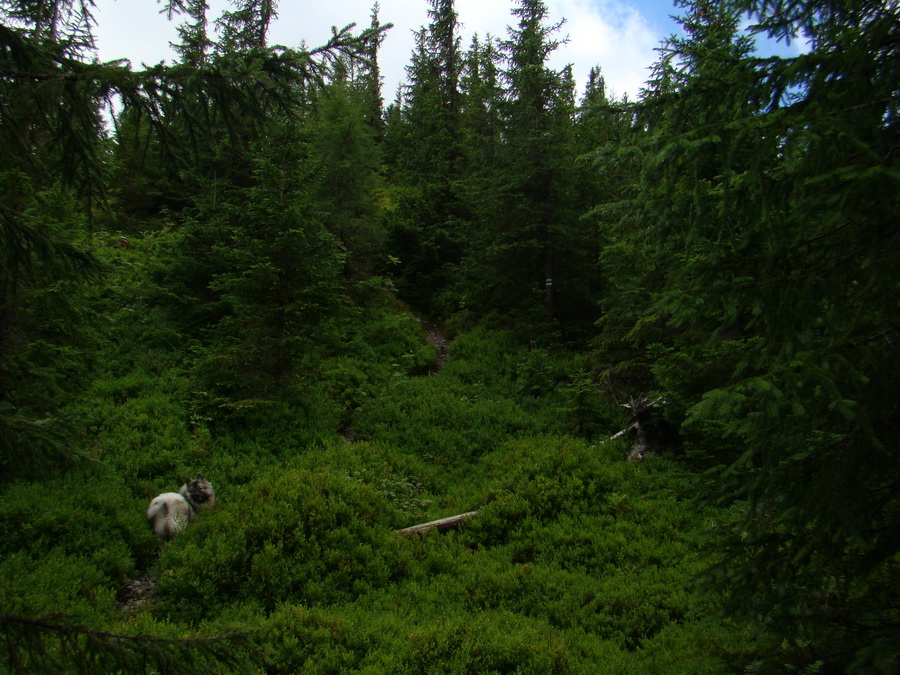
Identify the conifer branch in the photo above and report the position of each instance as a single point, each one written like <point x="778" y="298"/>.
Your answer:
<point x="43" y="644"/>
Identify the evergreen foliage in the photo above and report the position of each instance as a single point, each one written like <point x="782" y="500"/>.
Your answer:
<point x="426" y="232"/>
<point x="42" y="645"/>
<point x="217" y="282"/>
<point x="347" y="159"/>
<point x="763" y="269"/>
<point x="522" y="241"/>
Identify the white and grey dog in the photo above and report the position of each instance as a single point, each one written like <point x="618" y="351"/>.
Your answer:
<point x="171" y="512"/>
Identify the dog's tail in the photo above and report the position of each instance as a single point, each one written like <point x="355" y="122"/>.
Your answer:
<point x="158" y="515"/>
<point x="166" y="514"/>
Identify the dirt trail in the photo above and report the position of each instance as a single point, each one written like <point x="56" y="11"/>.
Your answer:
<point x="437" y="335"/>
<point x="137" y="593"/>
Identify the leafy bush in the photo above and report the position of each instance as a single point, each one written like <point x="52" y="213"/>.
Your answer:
<point x="55" y="582"/>
<point x="396" y="337"/>
<point x="139" y="423"/>
<point x="424" y="639"/>
<point x="442" y="421"/>
<point x="299" y="536"/>
<point x="550" y="475"/>
<point x="483" y="357"/>
<point x="403" y="481"/>
<point x="70" y="543"/>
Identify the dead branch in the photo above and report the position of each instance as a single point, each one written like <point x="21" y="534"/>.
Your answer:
<point x="442" y="525"/>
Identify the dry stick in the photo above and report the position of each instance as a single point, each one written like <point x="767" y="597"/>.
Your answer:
<point x="633" y="427"/>
<point x="442" y="525"/>
<point x="658" y="403"/>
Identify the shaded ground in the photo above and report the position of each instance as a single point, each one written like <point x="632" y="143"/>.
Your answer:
<point x="137" y="593"/>
<point x="437" y="335"/>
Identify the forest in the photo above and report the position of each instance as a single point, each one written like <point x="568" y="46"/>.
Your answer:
<point x="645" y="345"/>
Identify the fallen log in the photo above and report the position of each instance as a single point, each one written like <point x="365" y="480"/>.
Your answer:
<point x="442" y="525"/>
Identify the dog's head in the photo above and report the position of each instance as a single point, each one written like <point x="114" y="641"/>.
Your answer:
<point x="200" y="490"/>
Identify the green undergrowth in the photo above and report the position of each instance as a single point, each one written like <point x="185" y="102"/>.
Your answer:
<point x="70" y="544"/>
<point x="577" y="562"/>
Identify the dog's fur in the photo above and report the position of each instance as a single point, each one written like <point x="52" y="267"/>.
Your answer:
<point x="171" y="512"/>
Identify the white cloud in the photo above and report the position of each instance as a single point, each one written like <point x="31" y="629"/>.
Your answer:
<point x="607" y="33"/>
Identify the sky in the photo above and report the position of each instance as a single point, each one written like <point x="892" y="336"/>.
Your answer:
<point x="618" y="35"/>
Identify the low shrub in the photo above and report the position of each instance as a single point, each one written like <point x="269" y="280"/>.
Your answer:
<point x="578" y="562"/>
<point x="402" y="480"/>
<point x="545" y="476"/>
<point x="442" y="423"/>
<point x="82" y="512"/>
<point x="70" y="543"/>
<point x="139" y="423"/>
<point x="298" y="536"/>
<point x="56" y="582"/>
<point x="418" y="639"/>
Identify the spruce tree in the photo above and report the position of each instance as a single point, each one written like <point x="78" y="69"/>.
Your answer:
<point x="669" y="203"/>
<point x="197" y="119"/>
<point x="247" y="26"/>
<point x="482" y="99"/>
<point x="371" y="79"/>
<point x="759" y="268"/>
<point x="195" y="44"/>
<point x="276" y="275"/>
<point x="813" y="404"/>
<point x="482" y="174"/>
<point x="426" y="233"/>
<point x="599" y="178"/>
<point x="524" y="251"/>
<point x="277" y="203"/>
<point x="348" y="177"/>
<point x="51" y="176"/>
